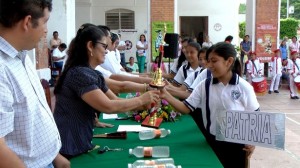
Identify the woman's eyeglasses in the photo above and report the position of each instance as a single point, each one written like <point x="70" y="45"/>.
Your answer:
<point x="103" y="45"/>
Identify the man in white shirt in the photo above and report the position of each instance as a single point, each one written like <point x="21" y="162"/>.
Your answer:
<point x="59" y="55"/>
<point x="122" y="48"/>
<point x="28" y="133"/>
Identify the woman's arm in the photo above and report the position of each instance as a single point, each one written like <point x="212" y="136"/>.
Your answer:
<point x="126" y="86"/>
<point x="102" y="101"/>
<point x="8" y="157"/>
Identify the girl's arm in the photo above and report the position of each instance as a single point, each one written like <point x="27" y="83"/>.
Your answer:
<point x="177" y="104"/>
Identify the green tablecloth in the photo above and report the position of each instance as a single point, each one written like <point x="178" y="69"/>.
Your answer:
<point x="187" y="145"/>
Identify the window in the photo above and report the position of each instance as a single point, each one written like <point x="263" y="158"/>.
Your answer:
<point x="120" y="19"/>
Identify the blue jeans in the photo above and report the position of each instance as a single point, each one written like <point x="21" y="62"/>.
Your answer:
<point x="141" y="63"/>
<point x="123" y="62"/>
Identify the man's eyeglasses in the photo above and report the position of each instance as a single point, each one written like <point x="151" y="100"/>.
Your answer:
<point x="103" y="45"/>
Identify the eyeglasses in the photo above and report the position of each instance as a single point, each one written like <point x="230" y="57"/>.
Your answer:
<point x="103" y="45"/>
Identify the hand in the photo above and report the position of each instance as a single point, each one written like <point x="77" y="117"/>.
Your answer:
<point x="103" y="125"/>
<point x="61" y="162"/>
<point x="164" y="93"/>
<point x="150" y="97"/>
<point x="249" y="150"/>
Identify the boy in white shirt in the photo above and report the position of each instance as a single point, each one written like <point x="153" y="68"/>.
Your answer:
<point x="275" y="67"/>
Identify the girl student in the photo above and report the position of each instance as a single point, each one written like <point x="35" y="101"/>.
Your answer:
<point x="253" y="67"/>
<point x="293" y="68"/>
<point x="181" y="60"/>
<point x="81" y="92"/>
<point x="182" y="92"/>
<point x="225" y="91"/>
<point x="192" y="56"/>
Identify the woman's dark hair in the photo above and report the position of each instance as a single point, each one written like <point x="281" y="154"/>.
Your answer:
<point x="245" y="37"/>
<point x="78" y="53"/>
<point x="229" y="38"/>
<point x="114" y="37"/>
<point x="295" y="37"/>
<point x="143" y="36"/>
<point x="182" y="58"/>
<point x="12" y="11"/>
<point x="226" y="51"/>
<point x="203" y="50"/>
<point x="54" y="33"/>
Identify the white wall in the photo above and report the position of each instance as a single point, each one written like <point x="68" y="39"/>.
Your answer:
<point x="62" y="20"/>
<point x="223" y="12"/>
<point x="93" y="11"/>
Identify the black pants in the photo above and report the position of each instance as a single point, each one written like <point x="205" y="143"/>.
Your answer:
<point x="231" y="155"/>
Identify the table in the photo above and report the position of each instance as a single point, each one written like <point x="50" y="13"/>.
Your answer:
<point x="187" y="145"/>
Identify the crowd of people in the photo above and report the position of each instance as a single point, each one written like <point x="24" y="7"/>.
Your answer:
<point x="201" y="82"/>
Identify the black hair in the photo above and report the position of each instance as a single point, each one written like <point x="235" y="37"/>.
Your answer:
<point x="245" y="37"/>
<point x="196" y="46"/>
<point x="78" y="53"/>
<point x="144" y="36"/>
<point x="63" y="45"/>
<point x="203" y="50"/>
<point x="295" y="37"/>
<point x="131" y="57"/>
<point x="114" y="37"/>
<point x="54" y="33"/>
<point x="104" y="27"/>
<point x="226" y="51"/>
<point x="229" y="38"/>
<point x="12" y="11"/>
<point x="182" y="58"/>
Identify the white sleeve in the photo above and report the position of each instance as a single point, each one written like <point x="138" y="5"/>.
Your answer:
<point x="104" y="72"/>
<point x="179" y="78"/>
<point x="56" y="53"/>
<point x="251" y="103"/>
<point x="190" y="79"/>
<point x="199" y="79"/>
<point x="195" y="99"/>
<point x="174" y="66"/>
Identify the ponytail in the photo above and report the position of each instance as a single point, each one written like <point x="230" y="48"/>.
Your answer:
<point x="237" y="68"/>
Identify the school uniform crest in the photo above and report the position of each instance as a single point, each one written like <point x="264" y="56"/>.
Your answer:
<point x="235" y="94"/>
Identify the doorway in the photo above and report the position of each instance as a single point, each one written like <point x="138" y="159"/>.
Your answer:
<point x="194" y="27"/>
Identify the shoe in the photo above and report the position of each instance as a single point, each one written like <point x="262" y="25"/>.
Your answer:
<point x="270" y="91"/>
<point x="276" y="91"/>
<point x="296" y="97"/>
<point x="293" y="97"/>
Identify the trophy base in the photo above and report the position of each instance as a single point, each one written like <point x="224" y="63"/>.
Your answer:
<point x="151" y="84"/>
<point x="155" y="125"/>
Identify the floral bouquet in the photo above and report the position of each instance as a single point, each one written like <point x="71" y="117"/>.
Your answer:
<point x="163" y="110"/>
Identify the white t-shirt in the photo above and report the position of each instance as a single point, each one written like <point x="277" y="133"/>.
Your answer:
<point x="238" y="94"/>
<point x="207" y="44"/>
<point x="105" y="73"/>
<point x="142" y="51"/>
<point x="122" y="43"/>
<point x="184" y="69"/>
<point x="57" y="53"/>
<point x="174" y="66"/>
<point x="203" y="75"/>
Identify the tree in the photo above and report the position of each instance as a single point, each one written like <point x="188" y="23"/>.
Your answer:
<point x="283" y="10"/>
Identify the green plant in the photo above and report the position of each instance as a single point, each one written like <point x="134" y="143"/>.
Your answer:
<point x="288" y="27"/>
<point x="242" y="27"/>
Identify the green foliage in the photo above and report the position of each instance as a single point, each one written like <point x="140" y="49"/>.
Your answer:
<point x="288" y="27"/>
<point x="242" y="27"/>
<point x="283" y="10"/>
<point x="242" y="9"/>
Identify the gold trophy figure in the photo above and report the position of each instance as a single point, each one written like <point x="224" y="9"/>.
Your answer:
<point x="157" y="81"/>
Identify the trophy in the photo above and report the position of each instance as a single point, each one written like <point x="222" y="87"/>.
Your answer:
<point x="153" y="120"/>
<point x="157" y="81"/>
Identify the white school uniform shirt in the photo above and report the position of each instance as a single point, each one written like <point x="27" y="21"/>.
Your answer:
<point x="276" y="65"/>
<point x="292" y="67"/>
<point x="179" y="77"/>
<point x="203" y="75"/>
<point x="105" y="73"/>
<point x="238" y="94"/>
<point x="174" y="66"/>
<point x="26" y="121"/>
<point x="251" y="67"/>
<point x="191" y="78"/>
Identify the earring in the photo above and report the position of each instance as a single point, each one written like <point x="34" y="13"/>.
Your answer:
<point x="91" y="54"/>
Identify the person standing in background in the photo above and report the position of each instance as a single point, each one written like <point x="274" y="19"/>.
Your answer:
<point x="276" y="71"/>
<point x="141" y="53"/>
<point x="122" y="48"/>
<point x="245" y="47"/>
<point x="207" y="43"/>
<point x="28" y="136"/>
<point x="55" y="41"/>
<point x="283" y="50"/>
<point x="294" y="45"/>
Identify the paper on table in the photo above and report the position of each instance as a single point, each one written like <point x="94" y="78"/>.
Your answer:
<point x="132" y="128"/>
<point x="110" y="116"/>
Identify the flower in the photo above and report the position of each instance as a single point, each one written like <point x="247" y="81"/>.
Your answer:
<point x="163" y="110"/>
